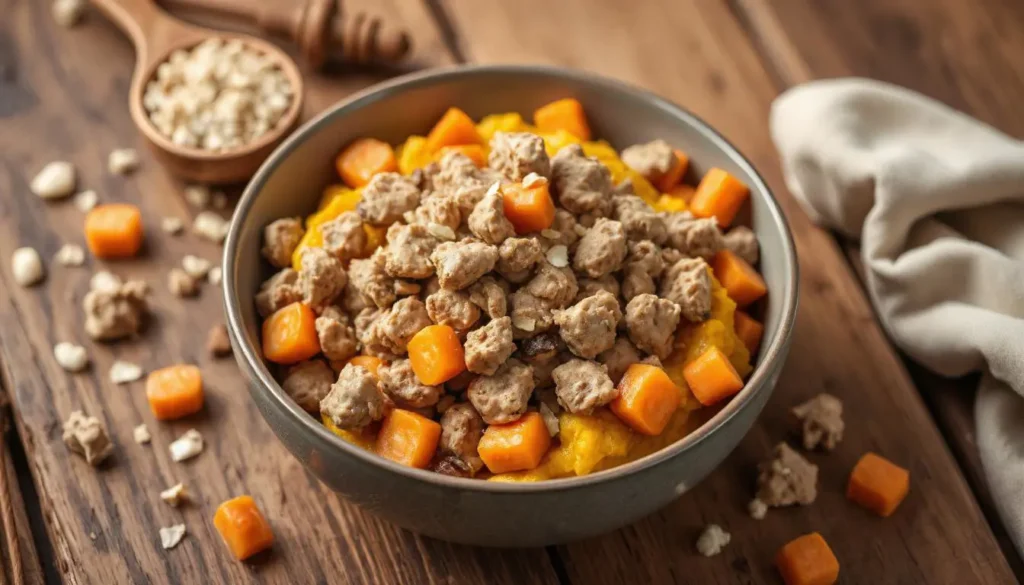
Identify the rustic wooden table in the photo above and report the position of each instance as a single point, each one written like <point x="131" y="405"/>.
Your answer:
<point x="62" y="95"/>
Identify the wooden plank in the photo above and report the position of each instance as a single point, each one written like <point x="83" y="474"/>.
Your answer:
<point x="18" y="556"/>
<point x="950" y="51"/>
<point x="696" y="53"/>
<point x="62" y="95"/>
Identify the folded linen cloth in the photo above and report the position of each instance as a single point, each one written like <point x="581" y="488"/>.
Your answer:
<point x="937" y="200"/>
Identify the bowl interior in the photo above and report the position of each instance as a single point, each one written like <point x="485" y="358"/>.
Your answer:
<point x="291" y="181"/>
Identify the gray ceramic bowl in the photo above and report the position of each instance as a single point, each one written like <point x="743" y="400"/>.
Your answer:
<point x="473" y="511"/>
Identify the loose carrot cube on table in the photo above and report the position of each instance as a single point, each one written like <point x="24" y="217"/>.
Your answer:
<point x="516" y="446"/>
<point x="175" y="391"/>
<point x="711" y="377"/>
<point x="878" y="484"/>
<point x="647" y="398"/>
<point x="565" y="114"/>
<point x="529" y="209"/>
<point x="475" y="152"/>
<point x="455" y="128"/>
<point x="363" y="159"/>
<point x="808" y="560"/>
<point x="243" y="527"/>
<point x="436" y="355"/>
<point x="743" y="284"/>
<point x="289" y="335"/>
<point x="670" y="179"/>
<point x="408" y="438"/>
<point x="719" y="195"/>
<point x="749" y="330"/>
<point x="114" y="230"/>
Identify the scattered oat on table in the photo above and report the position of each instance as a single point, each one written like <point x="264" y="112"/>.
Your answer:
<point x="70" y="357"/>
<point x="181" y="284"/>
<point x="187" y="446"/>
<point x="219" y="200"/>
<point x="197" y="196"/>
<point x="217" y="96"/>
<point x="215" y="275"/>
<point x="123" y="161"/>
<point x="86" y="200"/>
<point x="712" y="540"/>
<point x="210" y="226"/>
<point x="174" y="495"/>
<point x="27" y="266"/>
<point x="86" y="436"/>
<point x="105" y="281"/>
<point x="217" y="341"/>
<point x="820" y="421"/>
<point x="141" y="434"/>
<point x="55" y="181"/>
<point x="195" y="266"/>
<point x="68" y="13"/>
<point x="170" y="536"/>
<point x="122" y="372"/>
<point x="757" y="509"/>
<point x="172" y="225"/>
<point x="70" y="255"/>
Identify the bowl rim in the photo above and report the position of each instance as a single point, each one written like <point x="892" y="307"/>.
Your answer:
<point x="250" y="358"/>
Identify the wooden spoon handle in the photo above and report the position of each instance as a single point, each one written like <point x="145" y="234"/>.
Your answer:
<point x="322" y="29"/>
<point x="153" y="32"/>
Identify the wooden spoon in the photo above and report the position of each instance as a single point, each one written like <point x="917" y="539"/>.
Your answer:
<point x="156" y="35"/>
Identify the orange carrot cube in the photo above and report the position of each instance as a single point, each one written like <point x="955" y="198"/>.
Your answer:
<point x="647" y="399"/>
<point x="565" y="114"/>
<point x="528" y="209"/>
<point x="455" y="128"/>
<point x="363" y="159"/>
<point x="114" y="230"/>
<point x="742" y="283"/>
<point x="175" y="391"/>
<point x="878" y="484"/>
<point x="515" y="446"/>
<point x="289" y="335"/>
<point x="243" y="527"/>
<point x="719" y="195"/>
<point x="712" y="377"/>
<point x="749" y="330"/>
<point x="670" y="179"/>
<point x="436" y="354"/>
<point x="808" y="560"/>
<point x="408" y="438"/>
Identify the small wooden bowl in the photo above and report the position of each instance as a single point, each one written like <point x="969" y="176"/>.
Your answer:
<point x="156" y="35"/>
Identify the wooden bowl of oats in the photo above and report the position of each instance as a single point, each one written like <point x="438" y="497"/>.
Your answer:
<point x="212" y="106"/>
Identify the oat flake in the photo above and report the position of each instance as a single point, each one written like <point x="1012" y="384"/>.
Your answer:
<point x="170" y="536"/>
<point x="122" y="372"/>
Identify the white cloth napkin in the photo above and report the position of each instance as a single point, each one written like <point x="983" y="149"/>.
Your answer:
<point x="937" y="200"/>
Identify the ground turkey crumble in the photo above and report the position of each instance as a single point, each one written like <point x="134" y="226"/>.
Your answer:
<point x="787" y="479"/>
<point x="820" y="421"/>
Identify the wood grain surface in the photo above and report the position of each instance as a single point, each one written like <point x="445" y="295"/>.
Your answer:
<point x="62" y="95"/>
<point x="948" y="50"/>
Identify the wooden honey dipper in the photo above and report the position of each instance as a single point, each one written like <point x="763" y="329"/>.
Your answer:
<point x="323" y="30"/>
